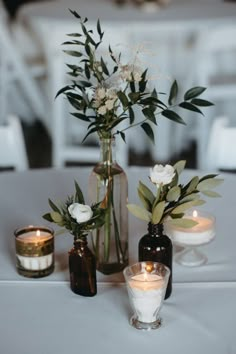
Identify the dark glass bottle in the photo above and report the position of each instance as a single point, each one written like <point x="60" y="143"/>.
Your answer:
<point x="82" y="265"/>
<point x="157" y="247"/>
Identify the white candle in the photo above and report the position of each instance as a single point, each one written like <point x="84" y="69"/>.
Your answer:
<point x="146" y="292"/>
<point x="199" y="234"/>
<point x="36" y="239"/>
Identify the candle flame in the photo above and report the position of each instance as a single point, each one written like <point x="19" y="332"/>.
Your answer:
<point x="149" y="268"/>
<point x="195" y="214"/>
<point x="38" y="233"/>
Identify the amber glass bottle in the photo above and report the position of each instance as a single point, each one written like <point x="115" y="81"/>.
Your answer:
<point x="157" y="247"/>
<point x="82" y="265"/>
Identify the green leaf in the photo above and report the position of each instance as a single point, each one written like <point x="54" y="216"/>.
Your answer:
<point x="211" y="194"/>
<point x="144" y="201"/>
<point x="73" y="53"/>
<point x="122" y="97"/>
<point x="194" y="92"/>
<point x="184" y="223"/>
<point x="148" y="130"/>
<point x="190" y="107"/>
<point x="91" y="131"/>
<point x="79" y="195"/>
<point x="62" y="90"/>
<point x="122" y="134"/>
<point x="149" y="114"/>
<point x="53" y="206"/>
<point x="139" y="212"/>
<point x="48" y="217"/>
<point x="81" y="116"/>
<point x="104" y="67"/>
<point x="75" y="14"/>
<point x="188" y="205"/>
<point x="99" y="30"/>
<point x="158" y="212"/>
<point x="201" y="103"/>
<point x="207" y="177"/>
<point x="146" y="192"/>
<point x="180" y="166"/>
<point x="192" y="184"/>
<point x="173" y="116"/>
<point x="56" y="217"/>
<point x="209" y="184"/>
<point x="173" y="93"/>
<point x="191" y="197"/>
<point x="131" y="116"/>
<point x="75" y="103"/>
<point x="173" y="194"/>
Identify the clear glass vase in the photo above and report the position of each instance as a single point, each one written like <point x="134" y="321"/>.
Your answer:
<point x="108" y="183"/>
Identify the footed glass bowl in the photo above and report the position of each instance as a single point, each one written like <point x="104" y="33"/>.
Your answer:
<point x="190" y="239"/>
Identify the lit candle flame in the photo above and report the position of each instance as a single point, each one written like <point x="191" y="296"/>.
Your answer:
<point x="195" y="214"/>
<point x="38" y="233"/>
<point x="149" y="267"/>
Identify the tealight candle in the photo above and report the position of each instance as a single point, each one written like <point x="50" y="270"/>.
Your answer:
<point x="34" y="251"/>
<point x="146" y="288"/>
<point x="197" y="235"/>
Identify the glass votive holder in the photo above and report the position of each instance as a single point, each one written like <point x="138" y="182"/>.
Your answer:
<point x="34" y="251"/>
<point x="146" y="283"/>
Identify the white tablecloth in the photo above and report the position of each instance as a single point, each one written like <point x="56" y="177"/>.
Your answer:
<point x="49" y="319"/>
<point x="43" y="316"/>
<point x="167" y="37"/>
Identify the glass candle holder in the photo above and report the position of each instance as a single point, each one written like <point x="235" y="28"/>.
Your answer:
<point x="191" y="238"/>
<point x="34" y="251"/>
<point x="146" y="283"/>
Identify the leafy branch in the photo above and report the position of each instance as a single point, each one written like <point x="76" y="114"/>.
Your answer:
<point x="112" y="90"/>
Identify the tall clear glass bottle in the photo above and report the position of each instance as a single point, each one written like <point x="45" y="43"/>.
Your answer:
<point x="108" y="183"/>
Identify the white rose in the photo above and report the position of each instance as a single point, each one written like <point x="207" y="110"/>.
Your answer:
<point x="102" y="110"/>
<point x="162" y="174"/>
<point x="80" y="212"/>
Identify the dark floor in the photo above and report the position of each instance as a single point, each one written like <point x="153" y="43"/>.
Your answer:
<point x="39" y="149"/>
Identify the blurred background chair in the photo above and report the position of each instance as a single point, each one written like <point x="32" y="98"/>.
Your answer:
<point x="19" y="73"/>
<point x="214" y="67"/>
<point x="12" y="145"/>
<point x="221" y="149"/>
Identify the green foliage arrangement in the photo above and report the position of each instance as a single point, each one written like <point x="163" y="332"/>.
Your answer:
<point x="172" y="199"/>
<point x="105" y="92"/>
<point x="75" y="216"/>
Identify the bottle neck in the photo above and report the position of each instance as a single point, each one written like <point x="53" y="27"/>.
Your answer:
<point x="155" y="229"/>
<point x="107" y="151"/>
<point x="80" y="242"/>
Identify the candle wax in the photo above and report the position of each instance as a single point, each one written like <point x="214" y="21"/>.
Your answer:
<point x="146" y="292"/>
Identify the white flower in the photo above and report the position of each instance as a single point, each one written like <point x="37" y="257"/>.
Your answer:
<point x="80" y="212"/>
<point x="131" y="72"/>
<point x="110" y="104"/>
<point x="102" y="110"/>
<point x="137" y="76"/>
<point x="101" y="93"/>
<point x="160" y="174"/>
<point x="111" y="93"/>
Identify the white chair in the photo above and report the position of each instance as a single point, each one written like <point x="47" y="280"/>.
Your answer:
<point x="221" y="149"/>
<point x="15" y="68"/>
<point x="12" y="145"/>
<point x="214" y="68"/>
